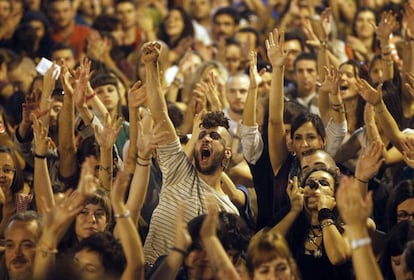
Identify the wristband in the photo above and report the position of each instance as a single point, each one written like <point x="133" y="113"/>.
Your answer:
<point x="126" y="214"/>
<point x="87" y="98"/>
<point x="143" y="164"/>
<point x="362" y="181"/>
<point x="327" y="223"/>
<point x="325" y="214"/>
<point x="180" y="251"/>
<point x="143" y="158"/>
<point x="39" y="156"/>
<point x="358" y="243"/>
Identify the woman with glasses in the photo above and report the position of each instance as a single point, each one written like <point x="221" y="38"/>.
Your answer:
<point x="401" y="203"/>
<point x="311" y="227"/>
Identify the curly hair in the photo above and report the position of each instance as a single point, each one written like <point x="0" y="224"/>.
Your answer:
<point x="215" y="119"/>
<point x="108" y="248"/>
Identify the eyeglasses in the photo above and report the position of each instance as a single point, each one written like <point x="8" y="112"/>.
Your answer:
<point x="404" y="215"/>
<point x="315" y="183"/>
<point x="8" y="169"/>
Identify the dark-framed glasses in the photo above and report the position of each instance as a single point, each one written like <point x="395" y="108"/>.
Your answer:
<point x="404" y="215"/>
<point x="315" y="183"/>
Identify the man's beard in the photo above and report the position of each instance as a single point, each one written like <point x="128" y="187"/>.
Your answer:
<point x="216" y="161"/>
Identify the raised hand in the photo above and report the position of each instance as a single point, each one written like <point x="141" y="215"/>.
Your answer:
<point x="49" y="80"/>
<point x="296" y="197"/>
<point x="275" y="45"/>
<point x="331" y="82"/>
<point x="354" y="208"/>
<point x="137" y="95"/>
<point x="41" y="140"/>
<point x="148" y="137"/>
<point x="31" y="105"/>
<point x="58" y="218"/>
<point x="409" y="18"/>
<point x="209" y="227"/>
<point x="410" y="84"/>
<point x="407" y="144"/>
<point x="312" y="39"/>
<point x="368" y="93"/>
<point x="199" y="98"/>
<point x="369" y="161"/>
<point x="151" y="52"/>
<point x="182" y="236"/>
<point x="255" y="78"/>
<point x="387" y="24"/>
<point x="66" y="79"/>
<point x="81" y="85"/>
<point x="119" y="188"/>
<point x="88" y="183"/>
<point x="107" y="137"/>
<point x="326" y="23"/>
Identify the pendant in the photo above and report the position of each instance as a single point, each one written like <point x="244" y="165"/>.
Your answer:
<point x="317" y="253"/>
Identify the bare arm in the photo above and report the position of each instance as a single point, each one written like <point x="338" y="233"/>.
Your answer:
<point x="277" y="141"/>
<point x="156" y="101"/>
<point x="42" y="185"/>
<point x="355" y="210"/>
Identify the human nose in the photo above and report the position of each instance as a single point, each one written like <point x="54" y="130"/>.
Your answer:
<point x="92" y="218"/>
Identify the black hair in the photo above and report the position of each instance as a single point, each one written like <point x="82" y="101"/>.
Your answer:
<point x="188" y="30"/>
<point x="306" y="56"/>
<point x="232" y="231"/>
<point x="403" y="191"/>
<point x="106" y="23"/>
<point x="109" y="249"/>
<point x="18" y="181"/>
<point x="295" y="34"/>
<point x="215" y="119"/>
<point x="232" y="12"/>
<point x="249" y="29"/>
<point x="102" y="79"/>
<point x="303" y="118"/>
<point x="332" y="172"/>
<point x="362" y="10"/>
<point x="396" y="241"/>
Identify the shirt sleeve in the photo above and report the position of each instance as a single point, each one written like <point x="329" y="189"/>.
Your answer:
<point x="335" y="134"/>
<point x="252" y="143"/>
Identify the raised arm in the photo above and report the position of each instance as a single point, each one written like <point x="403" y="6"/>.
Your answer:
<point x="66" y="147"/>
<point x="126" y="230"/>
<point x="387" y="24"/>
<point x="275" y="45"/>
<point x="147" y="139"/>
<point x="156" y="101"/>
<point x="42" y="185"/>
<point x="217" y="256"/>
<point x="355" y="210"/>
<point x="296" y="198"/>
<point x="374" y="97"/>
<point x="106" y="139"/>
<point x="49" y="80"/>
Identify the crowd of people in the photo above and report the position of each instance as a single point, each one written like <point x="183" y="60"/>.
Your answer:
<point x="207" y="139"/>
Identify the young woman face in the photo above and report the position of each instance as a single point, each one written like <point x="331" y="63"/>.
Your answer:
<point x="174" y="24"/>
<point x="306" y="137"/>
<point x="109" y="96"/>
<point x="376" y="73"/>
<point x="7" y="171"/>
<point x="347" y="82"/>
<point x="363" y="27"/>
<point x="90" y="220"/>
<point x="405" y="210"/>
<point x="278" y="268"/>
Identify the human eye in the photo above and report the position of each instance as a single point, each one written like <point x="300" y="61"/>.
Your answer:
<point x="202" y="134"/>
<point x="27" y="245"/>
<point x="402" y="215"/>
<point x="281" y="268"/>
<point x="324" y="182"/>
<point x="9" y="245"/>
<point x="215" y="136"/>
<point x="297" y="137"/>
<point x="90" y="269"/>
<point x="7" y="169"/>
<point x="99" y="214"/>
<point x="84" y="212"/>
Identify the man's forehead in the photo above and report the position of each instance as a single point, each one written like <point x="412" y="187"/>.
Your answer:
<point x="22" y="227"/>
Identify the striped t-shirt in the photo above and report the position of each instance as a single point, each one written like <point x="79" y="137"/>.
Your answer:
<point x="180" y="183"/>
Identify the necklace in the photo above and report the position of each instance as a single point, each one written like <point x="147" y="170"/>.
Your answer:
<point x="312" y="236"/>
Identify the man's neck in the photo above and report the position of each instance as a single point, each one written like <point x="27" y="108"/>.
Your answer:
<point x="66" y="31"/>
<point x="305" y="93"/>
<point x="213" y="180"/>
<point x="234" y="115"/>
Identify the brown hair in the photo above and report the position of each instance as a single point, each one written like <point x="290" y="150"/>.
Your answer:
<point x="266" y="246"/>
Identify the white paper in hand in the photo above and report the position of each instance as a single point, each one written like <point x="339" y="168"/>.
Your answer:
<point x="44" y="65"/>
